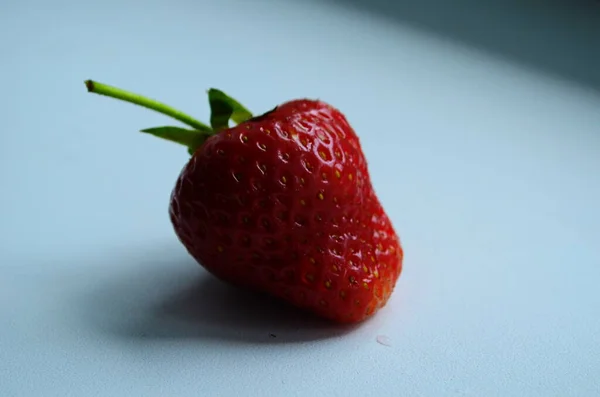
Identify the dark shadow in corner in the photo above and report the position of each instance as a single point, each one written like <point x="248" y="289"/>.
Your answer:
<point x="559" y="37"/>
<point x="175" y="299"/>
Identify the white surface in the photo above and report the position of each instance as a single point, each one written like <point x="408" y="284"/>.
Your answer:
<point x="489" y="173"/>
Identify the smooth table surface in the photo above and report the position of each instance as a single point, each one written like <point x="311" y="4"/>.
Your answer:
<point x="489" y="172"/>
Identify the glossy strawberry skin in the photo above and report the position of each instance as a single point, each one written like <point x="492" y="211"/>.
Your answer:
<point x="283" y="204"/>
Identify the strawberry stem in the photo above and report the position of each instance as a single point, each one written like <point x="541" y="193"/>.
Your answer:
<point x="117" y="93"/>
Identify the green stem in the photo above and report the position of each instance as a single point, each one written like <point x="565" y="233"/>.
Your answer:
<point x="117" y="93"/>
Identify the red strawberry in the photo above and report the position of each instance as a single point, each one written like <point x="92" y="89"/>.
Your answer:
<point x="283" y="204"/>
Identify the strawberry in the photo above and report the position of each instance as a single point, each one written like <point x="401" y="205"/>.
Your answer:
<point x="283" y="204"/>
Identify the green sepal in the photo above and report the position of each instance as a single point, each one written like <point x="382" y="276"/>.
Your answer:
<point x="224" y="108"/>
<point x="192" y="139"/>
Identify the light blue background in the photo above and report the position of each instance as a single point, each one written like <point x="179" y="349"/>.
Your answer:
<point x="488" y="168"/>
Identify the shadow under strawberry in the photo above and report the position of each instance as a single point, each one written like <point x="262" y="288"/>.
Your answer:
<point x="165" y="296"/>
<point x="213" y="309"/>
